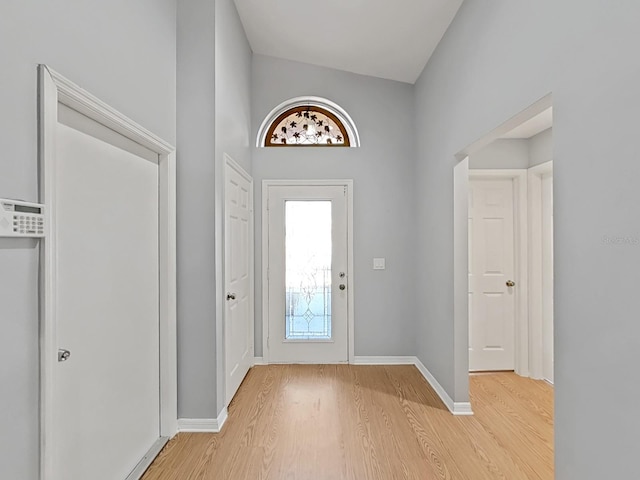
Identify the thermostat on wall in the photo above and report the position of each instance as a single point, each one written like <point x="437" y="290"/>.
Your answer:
<point x="21" y="219"/>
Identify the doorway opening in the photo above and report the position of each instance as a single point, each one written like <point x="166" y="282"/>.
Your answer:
<point x="503" y="229"/>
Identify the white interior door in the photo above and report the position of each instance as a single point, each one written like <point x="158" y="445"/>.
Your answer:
<point x="491" y="267"/>
<point x="307" y="274"/>
<point x="107" y="394"/>
<point x="547" y="277"/>
<point x="238" y="279"/>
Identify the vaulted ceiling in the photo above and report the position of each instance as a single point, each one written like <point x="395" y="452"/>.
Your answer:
<point x="390" y="39"/>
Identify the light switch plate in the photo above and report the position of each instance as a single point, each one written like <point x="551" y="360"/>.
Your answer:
<point x="379" y="264"/>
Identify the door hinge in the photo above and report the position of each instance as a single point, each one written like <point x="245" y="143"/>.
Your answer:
<point x="345" y="190"/>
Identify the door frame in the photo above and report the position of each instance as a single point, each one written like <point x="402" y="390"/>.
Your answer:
<point x="521" y="261"/>
<point x="348" y="184"/>
<point x="231" y="163"/>
<point x="537" y="296"/>
<point x="55" y="90"/>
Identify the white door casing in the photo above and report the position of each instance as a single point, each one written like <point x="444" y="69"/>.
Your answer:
<point x="238" y="325"/>
<point x="547" y="277"/>
<point x="339" y="348"/>
<point x="109" y="297"/>
<point x="492" y="307"/>
<point x="540" y="179"/>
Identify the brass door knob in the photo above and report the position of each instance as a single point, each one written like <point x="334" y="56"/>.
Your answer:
<point x="511" y="283"/>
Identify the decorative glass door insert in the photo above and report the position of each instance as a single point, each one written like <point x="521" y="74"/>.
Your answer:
<point x="308" y="248"/>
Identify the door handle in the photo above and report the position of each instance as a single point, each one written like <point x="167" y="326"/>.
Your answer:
<point x="342" y="286"/>
<point x="231" y="296"/>
<point x="511" y="283"/>
<point x="63" y="355"/>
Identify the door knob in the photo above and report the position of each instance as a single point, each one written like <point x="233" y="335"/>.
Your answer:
<point x="342" y="286"/>
<point x="231" y="296"/>
<point x="511" y="283"/>
<point x="63" y="355"/>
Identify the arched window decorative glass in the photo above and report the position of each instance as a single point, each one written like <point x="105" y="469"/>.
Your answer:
<point x="310" y="125"/>
<point x="306" y="122"/>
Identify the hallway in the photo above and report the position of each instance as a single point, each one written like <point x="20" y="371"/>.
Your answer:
<point x="369" y="422"/>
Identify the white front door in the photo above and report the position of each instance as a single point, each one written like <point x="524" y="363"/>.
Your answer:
<point x="107" y="393"/>
<point x="491" y="268"/>
<point x="238" y="325"/>
<point x="307" y="274"/>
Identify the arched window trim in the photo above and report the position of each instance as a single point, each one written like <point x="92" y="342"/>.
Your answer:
<point x="334" y="108"/>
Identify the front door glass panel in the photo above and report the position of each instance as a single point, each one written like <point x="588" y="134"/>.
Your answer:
<point x="308" y="249"/>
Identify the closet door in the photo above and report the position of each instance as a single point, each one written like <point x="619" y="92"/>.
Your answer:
<point x="107" y="392"/>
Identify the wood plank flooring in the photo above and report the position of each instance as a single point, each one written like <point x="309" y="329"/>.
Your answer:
<point x="334" y="422"/>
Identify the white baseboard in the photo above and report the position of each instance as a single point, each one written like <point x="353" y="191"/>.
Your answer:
<point x="203" y="425"/>
<point x="457" y="408"/>
<point x="462" y="409"/>
<point x="259" y="361"/>
<point x="222" y="418"/>
<point x="380" y="360"/>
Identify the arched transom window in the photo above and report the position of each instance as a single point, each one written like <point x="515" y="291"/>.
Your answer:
<point x="310" y="125"/>
<point x="308" y="122"/>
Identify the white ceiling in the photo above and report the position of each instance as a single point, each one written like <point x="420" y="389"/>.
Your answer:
<point x="532" y="127"/>
<point x="390" y="39"/>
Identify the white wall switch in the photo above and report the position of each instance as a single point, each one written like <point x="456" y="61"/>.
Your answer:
<point x="379" y="264"/>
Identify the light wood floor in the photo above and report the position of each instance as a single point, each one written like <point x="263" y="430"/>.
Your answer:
<point x="338" y="422"/>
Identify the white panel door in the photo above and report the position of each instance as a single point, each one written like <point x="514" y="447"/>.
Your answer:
<point x="107" y="394"/>
<point x="307" y="274"/>
<point x="239" y="309"/>
<point x="547" y="277"/>
<point x="491" y="266"/>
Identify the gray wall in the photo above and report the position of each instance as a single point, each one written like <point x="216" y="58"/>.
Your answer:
<point x="382" y="170"/>
<point x="507" y="153"/>
<point x="196" y="210"/>
<point x="214" y="75"/>
<point x="515" y="153"/>
<point x="123" y="52"/>
<point x="233" y="86"/>
<point x="233" y="126"/>
<point x="497" y="58"/>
